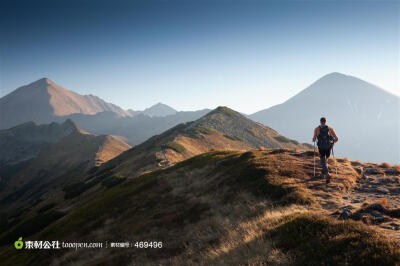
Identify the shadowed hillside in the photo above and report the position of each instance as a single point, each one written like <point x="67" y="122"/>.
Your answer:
<point x="258" y="207"/>
<point x="59" y="154"/>
<point x="25" y="141"/>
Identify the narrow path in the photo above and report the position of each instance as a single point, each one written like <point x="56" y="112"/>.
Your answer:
<point x="375" y="186"/>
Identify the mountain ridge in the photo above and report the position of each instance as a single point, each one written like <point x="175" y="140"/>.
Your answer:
<point x="43" y="100"/>
<point x="220" y="129"/>
<point x="25" y="141"/>
<point x="54" y="155"/>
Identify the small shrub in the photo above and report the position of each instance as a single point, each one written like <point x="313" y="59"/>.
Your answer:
<point x="232" y="137"/>
<point x="251" y="132"/>
<point x="174" y="146"/>
<point x="282" y="139"/>
<point x="200" y="129"/>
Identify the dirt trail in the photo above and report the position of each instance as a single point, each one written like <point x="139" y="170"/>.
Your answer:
<point x="375" y="184"/>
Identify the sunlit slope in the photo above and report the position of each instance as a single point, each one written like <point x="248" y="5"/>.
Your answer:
<point x="220" y="129"/>
<point x="217" y="208"/>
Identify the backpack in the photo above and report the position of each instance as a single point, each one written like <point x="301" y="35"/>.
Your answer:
<point x="325" y="139"/>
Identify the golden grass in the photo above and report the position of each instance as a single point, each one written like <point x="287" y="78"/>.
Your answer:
<point x="396" y="167"/>
<point x="382" y="201"/>
<point x="385" y="165"/>
<point x="220" y="208"/>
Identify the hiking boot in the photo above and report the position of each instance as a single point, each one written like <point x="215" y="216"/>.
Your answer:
<point x="328" y="178"/>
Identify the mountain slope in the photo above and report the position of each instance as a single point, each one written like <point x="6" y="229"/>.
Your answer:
<point x="220" y="129"/>
<point x="42" y="100"/>
<point x="218" y="208"/>
<point x="365" y="117"/>
<point x="54" y="164"/>
<point x="25" y="141"/>
<point x="67" y="161"/>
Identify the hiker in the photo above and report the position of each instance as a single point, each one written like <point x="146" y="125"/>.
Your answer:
<point x="326" y="137"/>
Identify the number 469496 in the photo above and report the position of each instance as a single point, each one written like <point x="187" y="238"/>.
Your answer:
<point x="145" y="244"/>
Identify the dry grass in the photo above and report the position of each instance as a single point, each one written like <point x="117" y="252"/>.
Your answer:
<point x="384" y="165"/>
<point x="110" y="148"/>
<point x="246" y="241"/>
<point x="318" y="240"/>
<point x="218" y="208"/>
<point x="382" y="201"/>
<point x="396" y="167"/>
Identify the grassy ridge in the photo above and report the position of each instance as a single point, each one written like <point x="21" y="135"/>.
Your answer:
<point x="220" y="207"/>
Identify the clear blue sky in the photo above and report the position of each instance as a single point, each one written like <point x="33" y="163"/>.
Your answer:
<point x="248" y="55"/>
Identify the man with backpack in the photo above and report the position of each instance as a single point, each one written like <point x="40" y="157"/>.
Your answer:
<point x="326" y="137"/>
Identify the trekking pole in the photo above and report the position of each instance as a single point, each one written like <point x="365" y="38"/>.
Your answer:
<point x="333" y="154"/>
<point x="314" y="158"/>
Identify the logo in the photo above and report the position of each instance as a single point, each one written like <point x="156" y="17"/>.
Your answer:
<point x="19" y="244"/>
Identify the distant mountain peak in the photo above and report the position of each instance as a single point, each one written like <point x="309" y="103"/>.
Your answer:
<point x="43" y="81"/>
<point x="336" y="85"/>
<point x="335" y="74"/>
<point x="43" y="101"/>
<point x="350" y="104"/>
<point x="159" y="109"/>
<point x="159" y="104"/>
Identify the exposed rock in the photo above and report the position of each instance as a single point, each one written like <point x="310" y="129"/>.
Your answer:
<point x="392" y="171"/>
<point x="395" y="190"/>
<point x="336" y="213"/>
<point x="376" y="207"/>
<point x="377" y="214"/>
<point x="382" y="190"/>
<point x="345" y="214"/>
<point x="374" y="171"/>
<point x="395" y="226"/>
